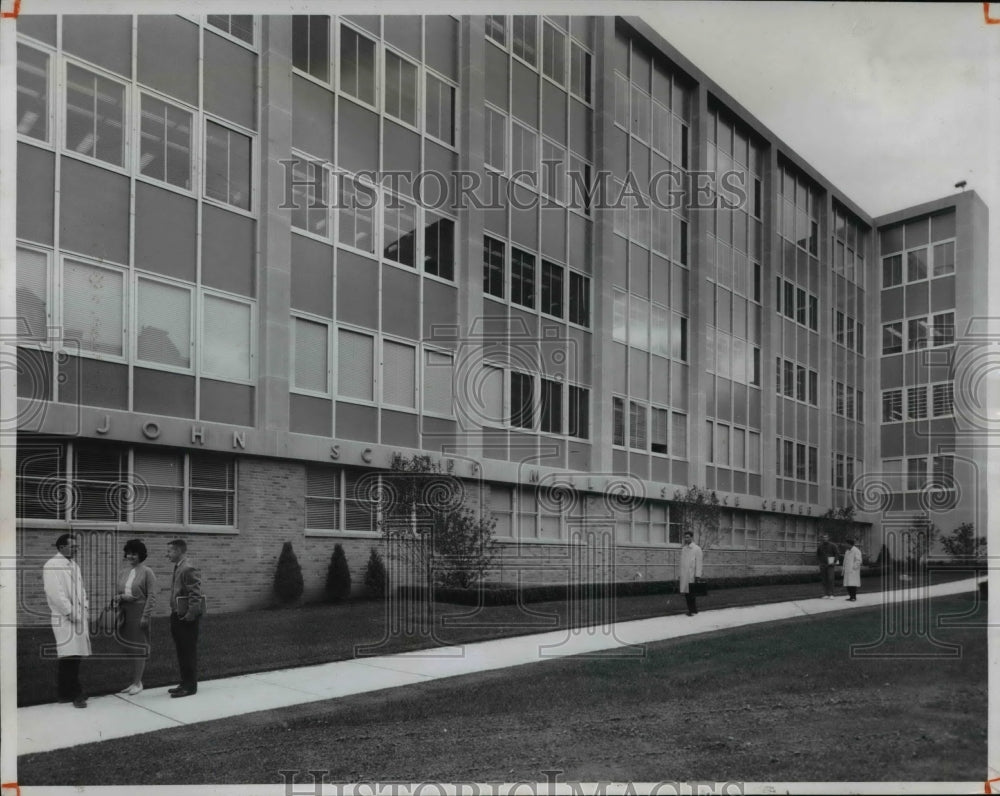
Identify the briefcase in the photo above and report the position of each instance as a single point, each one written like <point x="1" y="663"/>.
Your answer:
<point x="698" y="588"/>
<point x="199" y="607"/>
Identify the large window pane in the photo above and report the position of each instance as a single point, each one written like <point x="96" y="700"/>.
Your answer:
<point x="398" y="374"/>
<point x="165" y="145"/>
<point x="440" y="116"/>
<point x="311" y="355"/>
<point x="357" y="65"/>
<point x="311" y="45"/>
<point x="92" y="307"/>
<point x="32" y="295"/>
<point x="439" y="245"/>
<point x="439" y="372"/>
<point x="355" y="370"/>
<point x="227" y="165"/>
<point x="356" y="215"/>
<point x="400" y="232"/>
<point x="225" y="349"/>
<point x="95" y="115"/>
<point x="212" y="489"/>
<point x="163" y="324"/>
<point x="401" y="89"/>
<point x="159" y="479"/>
<point x="32" y="93"/>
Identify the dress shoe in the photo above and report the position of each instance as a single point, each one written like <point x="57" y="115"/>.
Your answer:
<point x="689" y="613"/>
<point x="175" y="689"/>
<point x="80" y="702"/>
<point x="182" y="692"/>
<point x="134" y="689"/>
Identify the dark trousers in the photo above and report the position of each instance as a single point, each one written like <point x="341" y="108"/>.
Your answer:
<point x="185" y="635"/>
<point x="852" y="592"/>
<point x="68" y="677"/>
<point x="692" y="603"/>
<point x="827" y="572"/>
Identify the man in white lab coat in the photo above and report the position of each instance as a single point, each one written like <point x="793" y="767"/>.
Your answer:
<point x="690" y="571"/>
<point x="68" y="604"/>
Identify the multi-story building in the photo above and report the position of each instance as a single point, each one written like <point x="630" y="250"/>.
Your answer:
<point x="259" y="256"/>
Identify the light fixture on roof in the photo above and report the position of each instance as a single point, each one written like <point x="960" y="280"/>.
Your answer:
<point x="961" y="184"/>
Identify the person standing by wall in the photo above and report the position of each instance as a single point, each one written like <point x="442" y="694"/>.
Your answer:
<point x="690" y="571"/>
<point x="186" y="607"/>
<point x="852" y="570"/>
<point x="67" y="599"/>
<point x="136" y="598"/>
<point x="826" y="557"/>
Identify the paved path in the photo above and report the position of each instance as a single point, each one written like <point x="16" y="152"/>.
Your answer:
<point x="54" y="726"/>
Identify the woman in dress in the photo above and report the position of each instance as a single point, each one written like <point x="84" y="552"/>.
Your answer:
<point x="136" y="598"/>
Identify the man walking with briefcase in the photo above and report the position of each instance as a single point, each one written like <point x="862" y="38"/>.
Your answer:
<point x="690" y="573"/>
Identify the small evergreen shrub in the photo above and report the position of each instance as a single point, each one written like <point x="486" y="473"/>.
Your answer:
<point x="288" y="584"/>
<point x="338" y="576"/>
<point x="376" y="578"/>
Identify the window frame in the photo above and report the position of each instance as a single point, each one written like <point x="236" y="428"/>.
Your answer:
<point x="65" y="61"/>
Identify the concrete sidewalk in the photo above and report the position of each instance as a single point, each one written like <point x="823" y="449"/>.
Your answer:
<point x="55" y="726"/>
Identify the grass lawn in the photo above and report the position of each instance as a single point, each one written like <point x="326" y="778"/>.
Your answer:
<point x="777" y="702"/>
<point x="255" y="641"/>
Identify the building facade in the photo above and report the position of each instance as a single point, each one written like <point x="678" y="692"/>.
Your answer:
<point x="260" y="256"/>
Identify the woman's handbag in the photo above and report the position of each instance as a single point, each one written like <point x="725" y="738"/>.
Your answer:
<point x="107" y="621"/>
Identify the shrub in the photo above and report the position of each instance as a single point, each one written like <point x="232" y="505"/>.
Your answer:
<point x="338" y="576"/>
<point x="376" y="578"/>
<point x="288" y="576"/>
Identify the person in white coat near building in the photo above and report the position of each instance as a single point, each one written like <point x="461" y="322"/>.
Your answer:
<point x="852" y="570"/>
<point x="690" y="571"/>
<point x="68" y="604"/>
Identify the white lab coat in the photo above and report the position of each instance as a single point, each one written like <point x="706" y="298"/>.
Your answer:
<point x="852" y="567"/>
<point x="690" y="568"/>
<point x="68" y="604"/>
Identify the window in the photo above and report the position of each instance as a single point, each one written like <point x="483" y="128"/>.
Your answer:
<point x="789" y="300"/>
<point x="439" y="376"/>
<point x="495" y="128"/>
<point x="355" y="368"/>
<point x="660" y="430"/>
<point x="849" y="335"/>
<point x="357" y="215"/>
<point x="553" y="53"/>
<point x="95" y="115"/>
<point x="357" y="65"/>
<point x="163" y="476"/>
<point x="813" y="388"/>
<point x="493" y="267"/>
<point x="861" y="338"/>
<point x="226" y="335"/>
<point x="892" y="406"/>
<point x="944" y="329"/>
<point x="496" y="28"/>
<point x="522" y="400"/>
<point x="310" y="190"/>
<point x="916" y="401"/>
<point x="789" y="379"/>
<point x="227" y="165"/>
<point x="916" y="334"/>
<point x="838" y="326"/>
<point x="813" y="313"/>
<point x="32" y="272"/>
<point x="165" y="142"/>
<point x="636" y="425"/>
<point x="916" y="265"/>
<point x="892" y="338"/>
<point x="32" y="93"/>
<point x="800" y="383"/>
<point x="399" y="376"/>
<point x="401" y="89"/>
<point x="838" y="391"/>
<point x="944" y="471"/>
<point x="311" y="370"/>
<point x="579" y="299"/>
<point x="239" y="26"/>
<point x="524" y="32"/>
<point x="212" y="490"/>
<point x="93" y="307"/>
<point x="800" y="306"/>
<point x="360" y="509"/>
<point x="551" y="408"/>
<point x="399" y="232"/>
<point x="311" y="45"/>
<point x="944" y="399"/>
<point x="916" y="474"/>
<point x="440" y="115"/>
<point x="163" y="323"/>
<point x="944" y="258"/>
<point x="678" y="434"/>
<point x="323" y="497"/>
<point x="619" y="329"/>
<point x="97" y="474"/>
<point x="722" y="444"/>
<point x="579" y="73"/>
<point x="439" y="246"/>
<point x="892" y="270"/>
<point x="552" y="289"/>
<point x="524" y="154"/>
<point x="579" y="412"/>
<point x="621" y="100"/>
<point x="618" y="421"/>
<point x="522" y="278"/>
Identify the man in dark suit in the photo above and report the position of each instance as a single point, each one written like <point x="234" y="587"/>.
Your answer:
<point x="186" y="608"/>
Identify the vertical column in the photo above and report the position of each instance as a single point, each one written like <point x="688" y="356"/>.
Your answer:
<point x="274" y="230"/>
<point x="770" y="333"/>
